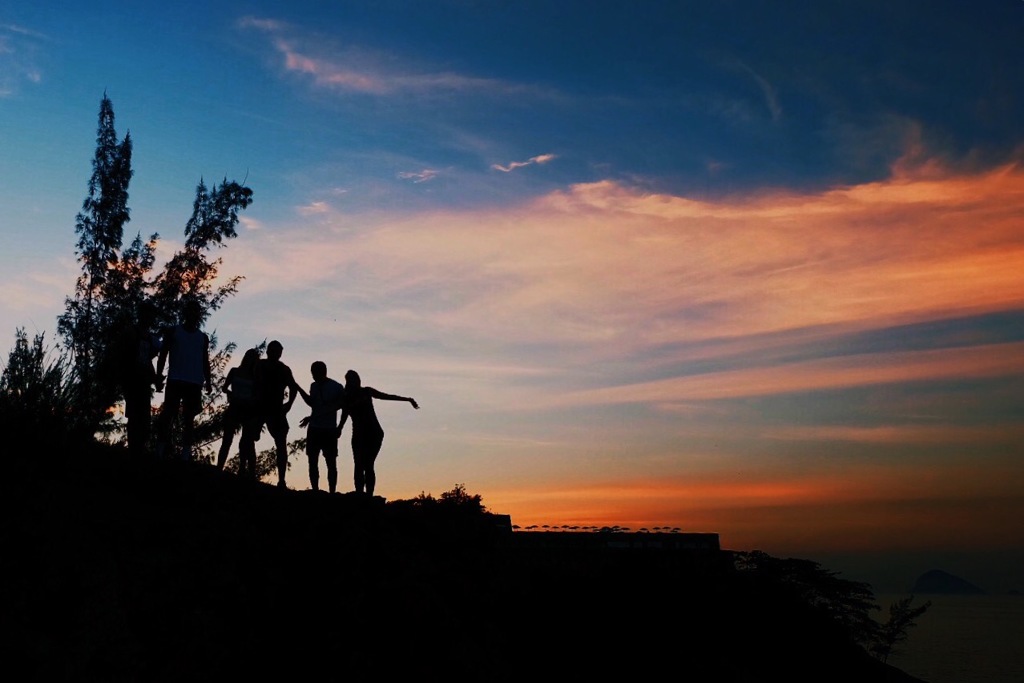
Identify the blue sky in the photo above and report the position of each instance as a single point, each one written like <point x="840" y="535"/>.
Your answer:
<point x="737" y="267"/>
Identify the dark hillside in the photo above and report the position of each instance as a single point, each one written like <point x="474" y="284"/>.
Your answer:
<point x="121" y="571"/>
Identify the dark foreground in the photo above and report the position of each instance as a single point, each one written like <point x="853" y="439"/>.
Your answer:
<point x="118" y="571"/>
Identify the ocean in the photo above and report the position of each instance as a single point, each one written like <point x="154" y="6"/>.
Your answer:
<point x="963" y="639"/>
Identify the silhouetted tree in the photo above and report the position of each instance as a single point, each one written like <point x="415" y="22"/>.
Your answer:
<point x="895" y="630"/>
<point x="462" y="499"/>
<point x="87" y="323"/>
<point x="190" y="275"/>
<point x="37" y="395"/>
<point x="848" y="603"/>
<point x="115" y="281"/>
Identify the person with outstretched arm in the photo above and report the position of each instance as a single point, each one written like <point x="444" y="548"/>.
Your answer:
<point x="367" y="434"/>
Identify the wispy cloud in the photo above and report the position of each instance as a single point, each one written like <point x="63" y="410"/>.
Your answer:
<point x="18" y="59"/>
<point x="21" y="30"/>
<point x="604" y="275"/>
<point x="314" y="209"/>
<point x="539" y="159"/>
<point x="988" y="361"/>
<point x="364" y="70"/>
<point x="898" y="434"/>
<point x="423" y="176"/>
<point x="771" y="98"/>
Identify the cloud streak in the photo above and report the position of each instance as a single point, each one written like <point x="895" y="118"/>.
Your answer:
<point x="18" y="57"/>
<point x="363" y="71"/>
<point x="539" y="159"/>
<point x="603" y="275"/>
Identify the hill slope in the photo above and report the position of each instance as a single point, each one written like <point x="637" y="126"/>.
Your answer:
<point x="122" y="571"/>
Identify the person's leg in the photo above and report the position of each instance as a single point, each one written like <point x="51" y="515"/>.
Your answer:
<point x="137" y="411"/>
<point x="227" y="438"/>
<point x="370" y="458"/>
<point x="313" y="457"/>
<point x="142" y="416"/>
<point x="358" y="477"/>
<point x="192" y="403"/>
<point x="280" y="434"/>
<point x="330" y="448"/>
<point x="252" y="428"/>
<point x="246" y="442"/>
<point x="332" y="473"/>
<point x="168" y="412"/>
<point x="246" y="457"/>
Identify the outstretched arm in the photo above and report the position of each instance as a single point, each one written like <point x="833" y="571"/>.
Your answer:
<point x="392" y="397"/>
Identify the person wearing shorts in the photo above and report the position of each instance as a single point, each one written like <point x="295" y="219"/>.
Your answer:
<point x="325" y="398"/>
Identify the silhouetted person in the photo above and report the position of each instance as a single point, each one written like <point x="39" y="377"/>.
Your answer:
<point x="276" y="391"/>
<point x="367" y="434"/>
<point x="322" y="432"/>
<point x="240" y="388"/>
<point x="188" y="349"/>
<point x="136" y="350"/>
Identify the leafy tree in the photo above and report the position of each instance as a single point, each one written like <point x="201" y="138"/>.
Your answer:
<point x="37" y="394"/>
<point x="460" y="498"/>
<point x="190" y="274"/>
<point x="847" y="603"/>
<point x="895" y="630"/>
<point x="86" y="322"/>
<point x="116" y="281"/>
<point x="455" y="499"/>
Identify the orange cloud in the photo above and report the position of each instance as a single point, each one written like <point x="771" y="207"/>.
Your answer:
<point x="603" y="272"/>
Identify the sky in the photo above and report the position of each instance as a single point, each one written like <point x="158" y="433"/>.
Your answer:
<point x="747" y="268"/>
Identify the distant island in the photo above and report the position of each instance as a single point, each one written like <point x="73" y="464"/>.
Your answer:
<point x="938" y="582"/>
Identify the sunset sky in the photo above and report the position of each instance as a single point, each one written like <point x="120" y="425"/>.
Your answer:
<point x="737" y="267"/>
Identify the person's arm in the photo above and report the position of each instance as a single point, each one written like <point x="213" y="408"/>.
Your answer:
<point x="293" y="391"/>
<point x="343" y="420"/>
<point x="392" y="397"/>
<point x="207" y="372"/>
<point x="161" y="361"/>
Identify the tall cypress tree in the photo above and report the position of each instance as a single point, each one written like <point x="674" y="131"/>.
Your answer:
<point x="88" y="319"/>
<point x="116" y="280"/>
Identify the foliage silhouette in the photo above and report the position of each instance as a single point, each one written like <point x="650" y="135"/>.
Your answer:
<point x="895" y="630"/>
<point x="37" y="397"/>
<point x="116" y="280"/>
<point x="847" y="604"/>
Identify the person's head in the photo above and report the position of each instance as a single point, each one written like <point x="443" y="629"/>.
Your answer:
<point x="319" y="370"/>
<point x="249" y="359"/>
<point x="192" y="313"/>
<point x="274" y="350"/>
<point x="147" y="313"/>
<point x="352" y="380"/>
